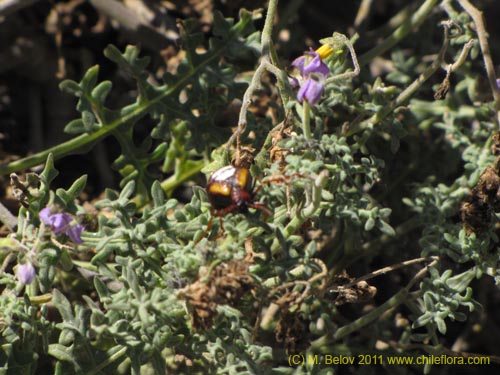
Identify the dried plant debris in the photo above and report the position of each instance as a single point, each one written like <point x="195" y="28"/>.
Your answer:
<point x="361" y="292"/>
<point x="349" y="292"/>
<point x="26" y="190"/>
<point x="293" y="328"/>
<point x="278" y="153"/>
<point x="495" y="144"/>
<point x="479" y="208"/>
<point x="226" y="284"/>
<point x="243" y="157"/>
<point x="291" y="331"/>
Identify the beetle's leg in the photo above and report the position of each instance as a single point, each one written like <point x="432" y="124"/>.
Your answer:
<point x="221" y="226"/>
<point x="219" y="214"/>
<point x="207" y="229"/>
<point x="225" y="211"/>
<point x="278" y="179"/>
<point x="262" y="207"/>
<point x="285" y="179"/>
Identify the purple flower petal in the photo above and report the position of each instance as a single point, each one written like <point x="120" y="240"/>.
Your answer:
<point x="306" y="65"/>
<point x="45" y="215"/>
<point x="294" y="82"/>
<point x="311" y="91"/>
<point x="60" y="222"/>
<point x="75" y="233"/>
<point x="26" y="273"/>
<point x="299" y="63"/>
<point x="316" y="65"/>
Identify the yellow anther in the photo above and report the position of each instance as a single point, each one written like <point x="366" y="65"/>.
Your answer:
<point x="324" y="51"/>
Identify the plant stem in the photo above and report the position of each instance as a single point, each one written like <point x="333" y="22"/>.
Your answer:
<point x="130" y="115"/>
<point x="265" y="65"/>
<point x="307" y="212"/>
<point x="267" y="31"/>
<point x="401" y="32"/>
<point x="371" y="247"/>
<point x="477" y="17"/>
<point x="359" y="323"/>
<point x="115" y="354"/>
<point x="306" y="119"/>
<point x="407" y="93"/>
<point x="173" y="181"/>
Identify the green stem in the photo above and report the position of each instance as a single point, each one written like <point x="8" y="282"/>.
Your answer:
<point x="401" y="32"/>
<point x="265" y="65"/>
<point x="366" y="319"/>
<point x="118" y="352"/>
<point x="395" y="300"/>
<point x="173" y="181"/>
<point x="132" y="114"/>
<point x="407" y="93"/>
<point x="306" y="119"/>
<point x="482" y="34"/>
<point x="267" y="31"/>
<point x="307" y="212"/>
<point x="371" y="247"/>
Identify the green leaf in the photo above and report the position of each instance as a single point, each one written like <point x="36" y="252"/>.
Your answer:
<point x="104" y="252"/>
<point x="245" y="25"/>
<point x="441" y="325"/>
<point x="428" y="302"/>
<point x="157" y="194"/>
<point x="370" y="223"/>
<point x="422" y="320"/>
<point x="63" y="353"/>
<point x="90" y="79"/>
<point x="71" y="87"/>
<point x="222" y="27"/>
<point x="112" y="53"/>
<point x="49" y="172"/>
<point x="385" y="228"/>
<point x="77" y="187"/>
<point x="75" y="127"/>
<point x="64" y="196"/>
<point x="101" y="91"/>
<point x="88" y="120"/>
<point x="63" y="305"/>
<point x="459" y="283"/>
<point x="128" y="190"/>
<point x="101" y="288"/>
<point x="66" y="260"/>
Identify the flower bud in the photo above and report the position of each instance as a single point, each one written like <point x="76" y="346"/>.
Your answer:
<point x="26" y="273"/>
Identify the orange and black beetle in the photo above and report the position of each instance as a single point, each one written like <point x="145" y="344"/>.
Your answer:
<point x="231" y="189"/>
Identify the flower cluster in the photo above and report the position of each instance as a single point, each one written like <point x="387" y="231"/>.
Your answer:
<point x="62" y="223"/>
<point x="313" y="72"/>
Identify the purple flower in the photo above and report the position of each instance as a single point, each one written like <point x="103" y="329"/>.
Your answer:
<point x="294" y="82"/>
<point x="45" y="215"/>
<point x="62" y="223"/>
<point x="313" y="72"/>
<point x="311" y="90"/>
<point x="75" y="233"/>
<point x="26" y="273"/>
<point x="314" y="65"/>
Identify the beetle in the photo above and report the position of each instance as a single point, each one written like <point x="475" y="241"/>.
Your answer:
<point x="231" y="189"/>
